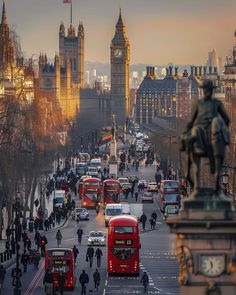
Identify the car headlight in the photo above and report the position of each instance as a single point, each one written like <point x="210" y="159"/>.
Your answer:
<point x="102" y="240"/>
<point x="90" y="240"/>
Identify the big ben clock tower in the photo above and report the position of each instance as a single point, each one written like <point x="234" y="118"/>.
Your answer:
<point x="120" y="60"/>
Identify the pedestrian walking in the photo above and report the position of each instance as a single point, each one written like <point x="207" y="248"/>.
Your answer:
<point x="152" y="223"/>
<point x="83" y="279"/>
<point x="143" y="220"/>
<point x="145" y="281"/>
<point x="37" y="239"/>
<point x="154" y="215"/>
<point x="61" y="283"/>
<point x="99" y="255"/>
<point x="43" y="243"/>
<point x="79" y="234"/>
<point x="136" y="196"/>
<point x="48" y="282"/>
<point x="75" y="252"/>
<point x="97" y="209"/>
<point x="25" y="260"/>
<point x="2" y="276"/>
<point x="58" y="238"/>
<point x="89" y="255"/>
<point x="8" y="233"/>
<point x="96" y="279"/>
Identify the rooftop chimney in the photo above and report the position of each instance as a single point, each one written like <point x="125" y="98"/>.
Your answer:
<point x="200" y="71"/>
<point x="191" y="70"/>
<point x="176" y="71"/>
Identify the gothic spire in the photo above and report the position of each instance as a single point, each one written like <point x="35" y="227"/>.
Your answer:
<point x="120" y="23"/>
<point x="4" y="17"/>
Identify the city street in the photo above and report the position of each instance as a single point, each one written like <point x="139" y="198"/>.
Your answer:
<point x="157" y="256"/>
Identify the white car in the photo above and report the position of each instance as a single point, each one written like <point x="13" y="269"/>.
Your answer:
<point x="92" y="171"/>
<point x="96" y="238"/>
<point x="147" y="197"/>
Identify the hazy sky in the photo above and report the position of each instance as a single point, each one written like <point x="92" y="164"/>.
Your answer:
<point x="160" y="31"/>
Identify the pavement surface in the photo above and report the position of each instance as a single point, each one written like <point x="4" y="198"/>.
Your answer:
<point x="157" y="256"/>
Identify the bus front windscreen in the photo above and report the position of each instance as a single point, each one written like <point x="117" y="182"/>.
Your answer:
<point x="123" y="253"/>
<point x="58" y="266"/>
<point x="92" y="196"/>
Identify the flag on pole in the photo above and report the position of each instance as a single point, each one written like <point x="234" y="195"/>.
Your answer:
<point x="67" y="1"/>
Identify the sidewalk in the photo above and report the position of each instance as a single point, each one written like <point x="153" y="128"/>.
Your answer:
<point x="49" y="207"/>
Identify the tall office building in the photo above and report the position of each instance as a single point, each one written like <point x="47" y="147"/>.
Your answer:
<point x="120" y="61"/>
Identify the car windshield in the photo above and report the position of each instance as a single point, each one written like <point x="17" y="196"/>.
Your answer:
<point x="152" y="183"/>
<point x="92" y="169"/>
<point x="96" y="234"/>
<point x="124" y="180"/>
<point x="79" y="210"/>
<point x="59" y="200"/>
<point x="172" y="198"/>
<point x="123" y="253"/>
<point x="113" y="212"/>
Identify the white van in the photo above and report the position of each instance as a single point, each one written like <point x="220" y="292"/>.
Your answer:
<point x="59" y="198"/>
<point x="112" y="210"/>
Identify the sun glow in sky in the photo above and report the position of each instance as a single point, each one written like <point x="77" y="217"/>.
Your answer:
<point x="160" y="31"/>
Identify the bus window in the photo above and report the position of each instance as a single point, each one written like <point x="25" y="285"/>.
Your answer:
<point x="123" y="253"/>
<point x="124" y="230"/>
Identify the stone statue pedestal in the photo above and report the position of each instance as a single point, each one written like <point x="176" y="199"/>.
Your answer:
<point x="206" y="245"/>
<point x="113" y="164"/>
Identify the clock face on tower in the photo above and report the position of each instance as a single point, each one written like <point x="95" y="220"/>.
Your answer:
<point x="118" y="53"/>
<point x="212" y="265"/>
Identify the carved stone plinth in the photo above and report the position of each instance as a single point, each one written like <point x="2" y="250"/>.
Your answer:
<point x="206" y="246"/>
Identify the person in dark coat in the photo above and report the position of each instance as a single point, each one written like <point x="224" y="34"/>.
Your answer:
<point x="75" y="252"/>
<point x="83" y="279"/>
<point x="136" y="196"/>
<point x="145" y="281"/>
<point x="154" y="215"/>
<point x="99" y="255"/>
<point x="37" y="239"/>
<point x="25" y="260"/>
<point x="8" y="233"/>
<point x="143" y="220"/>
<point x="79" y="234"/>
<point x="48" y="282"/>
<point x="61" y="282"/>
<point x="96" y="279"/>
<point x="89" y="255"/>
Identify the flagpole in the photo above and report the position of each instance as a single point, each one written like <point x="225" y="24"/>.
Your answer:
<point x="71" y="12"/>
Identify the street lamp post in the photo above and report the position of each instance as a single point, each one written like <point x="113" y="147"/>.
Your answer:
<point x="17" y="273"/>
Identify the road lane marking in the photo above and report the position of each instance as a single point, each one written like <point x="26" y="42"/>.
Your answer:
<point x="34" y="282"/>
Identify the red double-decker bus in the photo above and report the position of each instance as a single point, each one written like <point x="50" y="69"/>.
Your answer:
<point x="61" y="260"/>
<point x="123" y="245"/>
<point x="81" y="185"/>
<point x="92" y="191"/>
<point x="111" y="191"/>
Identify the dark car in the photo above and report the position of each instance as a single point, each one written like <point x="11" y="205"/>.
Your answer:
<point x="170" y="199"/>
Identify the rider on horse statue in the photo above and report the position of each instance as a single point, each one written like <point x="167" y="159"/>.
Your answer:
<point x="206" y="135"/>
